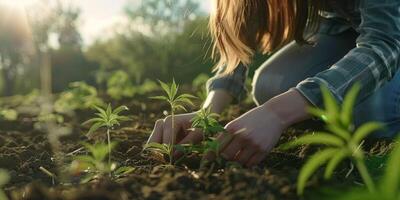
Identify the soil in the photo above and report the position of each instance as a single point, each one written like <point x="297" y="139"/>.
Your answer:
<point x="24" y="149"/>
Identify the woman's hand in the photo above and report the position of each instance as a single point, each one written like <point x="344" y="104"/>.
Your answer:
<point x="162" y="132"/>
<point x="255" y="133"/>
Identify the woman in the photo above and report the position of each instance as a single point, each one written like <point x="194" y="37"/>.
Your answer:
<point x="335" y="44"/>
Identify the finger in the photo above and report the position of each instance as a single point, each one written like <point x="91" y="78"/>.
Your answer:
<point x="193" y="137"/>
<point x="156" y="135"/>
<point x="245" y="154"/>
<point x="255" y="159"/>
<point x="224" y="139"/>
<point x="230" y="151"/>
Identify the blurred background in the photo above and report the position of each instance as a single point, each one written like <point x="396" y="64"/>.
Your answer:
<point x="48" y="44"/>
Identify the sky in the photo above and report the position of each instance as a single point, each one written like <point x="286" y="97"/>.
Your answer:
<point x="98" y="16"/>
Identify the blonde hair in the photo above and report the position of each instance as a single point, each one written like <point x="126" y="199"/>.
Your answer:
<point x="241" y="27"/>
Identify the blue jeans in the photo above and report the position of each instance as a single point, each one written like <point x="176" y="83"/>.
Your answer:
<point x="294" y="63"/>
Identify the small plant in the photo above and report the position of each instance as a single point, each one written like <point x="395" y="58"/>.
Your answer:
<point x="342" y="140"/>
<point x="388" y="186"/>
<point x="8" y="114"/>
<point x="4" y="179"/>
<point x="94" y="164"/>
<point x="176" y="102"/>
<point x="207" y="122"/>
<point x="78" y="96"/>
<point x="107" y="118"/>
<point x="119" y="85"/>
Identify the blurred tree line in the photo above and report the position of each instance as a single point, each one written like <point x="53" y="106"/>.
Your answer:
<point x="161" y="40"/>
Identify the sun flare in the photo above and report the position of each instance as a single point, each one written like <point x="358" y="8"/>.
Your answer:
<point x="17" y="3"/>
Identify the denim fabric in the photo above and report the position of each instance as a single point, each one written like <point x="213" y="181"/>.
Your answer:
<point x="294" y="63"/>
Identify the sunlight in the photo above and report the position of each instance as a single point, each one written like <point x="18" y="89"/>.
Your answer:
<point x="17" y="3"/>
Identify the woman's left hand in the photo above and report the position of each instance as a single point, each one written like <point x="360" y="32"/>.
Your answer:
<point x="250" y="137"/>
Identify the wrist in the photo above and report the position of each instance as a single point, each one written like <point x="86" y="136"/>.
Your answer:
<point x="289" y="107"/>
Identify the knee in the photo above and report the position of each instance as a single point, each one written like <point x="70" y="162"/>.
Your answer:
<point x="266" y="85"/>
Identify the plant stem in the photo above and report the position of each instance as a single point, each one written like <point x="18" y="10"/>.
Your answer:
<point x="173" y="135"/>
<point x="109" y="146"/>
<point x="362" y="169"/>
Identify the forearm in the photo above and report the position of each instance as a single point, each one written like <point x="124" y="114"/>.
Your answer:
<point x="289" y="107"/>
<point x="217" y="100"/>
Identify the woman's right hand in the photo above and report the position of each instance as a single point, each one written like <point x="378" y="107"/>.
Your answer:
<point x="162" y="132"/>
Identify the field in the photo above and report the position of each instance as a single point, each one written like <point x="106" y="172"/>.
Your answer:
<point x="33" y="163"/>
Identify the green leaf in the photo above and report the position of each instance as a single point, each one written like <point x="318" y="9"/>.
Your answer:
<point x="391" y="179"/>
<point x="166" y="89"/>
<point x="331" y="106"/>
<point x="339" y="131"/>
<point x="309" y="168"/>
<point x="334" y="162"/>
<point x="123" y="118"/>
<point x="94" y="128"/>
<point x="348" y="104"/>
<point x="94" y="120"/>
<point x="101" y="110"/>
<point x="120" y="109"/>
<point x="109" y="110"/>
<point x="174" y="89"/>
<point x="365" y="130"/>
<point x="179" y="107"/>
<point x="163" y="98"/>
<point x="318" y="113"/>
<point x="320" y="138"/>
<point x="4" y="177"/>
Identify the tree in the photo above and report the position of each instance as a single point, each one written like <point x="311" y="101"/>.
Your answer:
<point x="14" y="44"/>
<point x="163" y="16"/>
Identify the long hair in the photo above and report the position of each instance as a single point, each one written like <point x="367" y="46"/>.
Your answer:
<point x="241" y="27"/>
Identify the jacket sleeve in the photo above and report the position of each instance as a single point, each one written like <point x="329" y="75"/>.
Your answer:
<point x="372" y="63"/>
<point x="233" y="83"/>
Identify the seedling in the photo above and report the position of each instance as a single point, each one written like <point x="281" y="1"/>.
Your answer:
<point x="4" y="179"/>
<point x="107" y="118"/>
<point x="388" y="186"/>
<point x="176" y="102"/>
<point x="207" y="122"/>
<point x="119" y="85"/>
<point x="341" y="141"/>
<point x="94" y="164"/>
<point x="78" y="96"/>
<point x="8" y="114"/>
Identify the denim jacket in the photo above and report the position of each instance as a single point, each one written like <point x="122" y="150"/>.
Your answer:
<point x="373" y="62"/>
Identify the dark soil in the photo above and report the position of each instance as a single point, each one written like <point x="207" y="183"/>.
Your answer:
<point x="23" y="150"/>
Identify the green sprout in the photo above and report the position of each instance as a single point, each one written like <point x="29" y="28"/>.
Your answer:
<point x="207" y="122"/>
<point x="8" y="114"/>
<point x="94" y="164"/>
<point x="79" y="96"/>
<point x="4" y="179"/>
<point x="107" y="118"/>
<point x="341" y="141"/>
<point x="388" y="186"/>
<point x="176" y="102"/>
